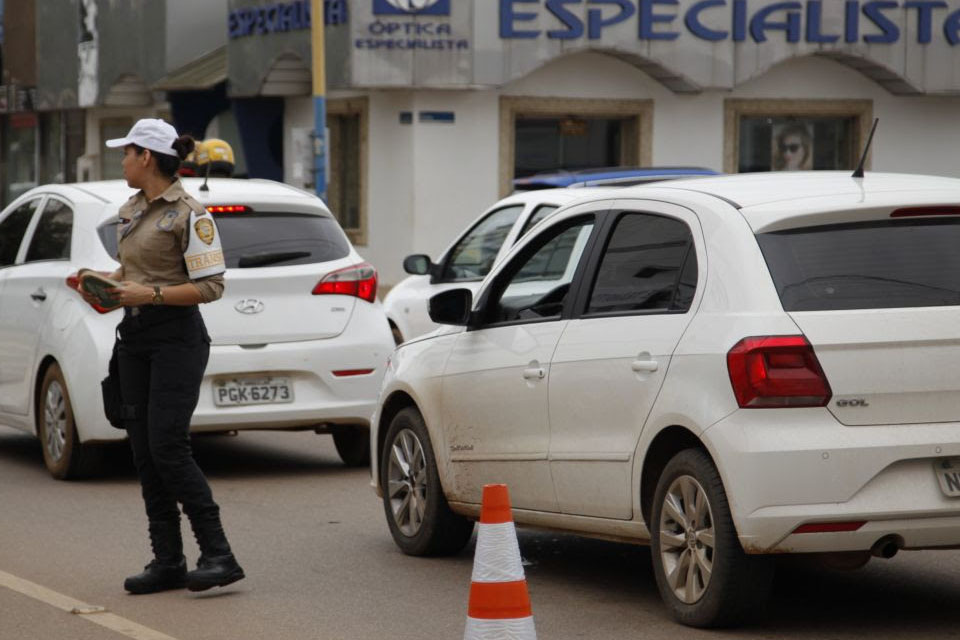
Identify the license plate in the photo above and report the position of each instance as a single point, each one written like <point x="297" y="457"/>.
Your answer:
<point x="243" y="391"/>
<point x="948" y="473"/>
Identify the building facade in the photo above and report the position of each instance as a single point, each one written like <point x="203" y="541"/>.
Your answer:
<point x="439" y="104"/>
<point x="436" y="105"/>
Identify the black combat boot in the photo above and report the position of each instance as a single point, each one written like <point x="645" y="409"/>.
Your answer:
<point x="168" y="569"/>
<point x="216" y="567"/>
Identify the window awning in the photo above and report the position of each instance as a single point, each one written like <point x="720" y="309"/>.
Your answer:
<point x="205" y="72"/>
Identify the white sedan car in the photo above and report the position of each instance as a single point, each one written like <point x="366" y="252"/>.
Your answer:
<point x="299" y="340"/>
<point x="727" y="369"/>
<point x="470" y="257"/>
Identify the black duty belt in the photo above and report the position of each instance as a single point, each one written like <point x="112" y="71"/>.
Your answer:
<point x="149" y="315"/>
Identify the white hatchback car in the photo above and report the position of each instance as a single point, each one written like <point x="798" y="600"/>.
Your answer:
<point x="470" y="257"/>
<point x="299" y="340"/>
<point x="738" y="367"/>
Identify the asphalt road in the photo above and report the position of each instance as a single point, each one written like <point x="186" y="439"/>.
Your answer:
<point x="321" y="565"/>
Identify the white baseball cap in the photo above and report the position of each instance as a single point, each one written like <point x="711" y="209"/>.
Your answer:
<point x="150" y="133"/>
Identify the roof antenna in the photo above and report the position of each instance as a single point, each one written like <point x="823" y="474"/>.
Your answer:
<point x="206" y="176"/>
<point x="858" y="173"/>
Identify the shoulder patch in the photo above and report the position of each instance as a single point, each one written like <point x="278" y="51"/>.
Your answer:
<point x="203" y="256"/>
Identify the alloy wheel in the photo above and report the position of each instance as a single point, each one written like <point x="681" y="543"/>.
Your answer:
<point x="407" y="482"/>
<point x="55" y="421"/>
<point x="687" y="539"/>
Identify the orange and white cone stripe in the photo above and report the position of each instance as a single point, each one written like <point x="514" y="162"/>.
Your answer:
<point x="499" y="601"/>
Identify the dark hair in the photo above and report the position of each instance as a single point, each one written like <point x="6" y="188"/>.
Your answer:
<point x="167" y="165"/>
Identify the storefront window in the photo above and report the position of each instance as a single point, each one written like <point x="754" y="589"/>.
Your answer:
<point x="571" y="143"/>
<point x="346" y="147"/>
<point x="796" y="143"/>
<point x="21" y="155"/>
<point x="794" y="135"/>
<point x="545" y="134"/>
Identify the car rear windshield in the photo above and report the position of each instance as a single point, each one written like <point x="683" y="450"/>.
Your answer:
<point x="870" y="265"/>
<point x="268" y="239"/>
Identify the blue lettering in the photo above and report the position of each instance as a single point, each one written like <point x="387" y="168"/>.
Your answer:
<point x="571" y="21"/>
<point x="245" y="19"/>
<point x="286" y="17"/>
<point x="508" y="16"/>
<point x="595" y="16"/>
<point x="797" y="19"/>
<point x="739" y="20"/>
<point x="815" y="22"/>
<point x="874" y="11"/>
<point x="692" y="20"/>
<point x="924" y="15"/>
<point x="233" y="25"/>
<point x="951" y="28"/>
<point x="648" y="18"/>
<point x="273" y="13"/>
<point x="262" y="26"/>
<point x="759" y="23"/>
<point x="852" y="31"/>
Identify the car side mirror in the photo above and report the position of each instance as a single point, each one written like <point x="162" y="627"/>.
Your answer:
<point x="417" y="264"/>
<point x="452" y="307"/>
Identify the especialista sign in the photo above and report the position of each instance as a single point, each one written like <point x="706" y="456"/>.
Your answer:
<point x="871" y="22"/>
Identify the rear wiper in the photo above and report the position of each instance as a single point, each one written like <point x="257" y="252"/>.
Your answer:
<point x="270" y="257"/>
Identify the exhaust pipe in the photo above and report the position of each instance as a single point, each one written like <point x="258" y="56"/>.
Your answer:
<point x="887" y="546"/>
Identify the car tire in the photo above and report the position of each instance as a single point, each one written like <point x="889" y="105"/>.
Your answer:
<point x="724" y="586"/>
<point x="420" y="520"/>
<point x="64" y="455"/>
<point x="353" y="446"/>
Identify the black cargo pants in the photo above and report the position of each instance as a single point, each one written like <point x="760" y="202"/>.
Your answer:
<point x="162" y="356"/>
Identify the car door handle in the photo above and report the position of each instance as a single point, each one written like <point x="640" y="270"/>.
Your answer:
<point x="39" y="295"/>
<point x="644" y="366"/>
<point x="534" y="373"/>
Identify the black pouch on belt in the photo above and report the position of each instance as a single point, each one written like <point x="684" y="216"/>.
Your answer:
<point x="110" y="386"/>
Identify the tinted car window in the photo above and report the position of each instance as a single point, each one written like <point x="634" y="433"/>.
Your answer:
<point x="649" y="264"/>
<point x="268" y="239"/>
<point x="51" y="239"/>
<point x="870" y="265"/>
<point x="539" y="214"/>
<point x="12" y="229"/>
<point x="537" y="286"/>
<point x="473" y="257"/>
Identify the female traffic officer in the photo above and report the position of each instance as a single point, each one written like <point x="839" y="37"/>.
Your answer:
<point x="170" y="262"/>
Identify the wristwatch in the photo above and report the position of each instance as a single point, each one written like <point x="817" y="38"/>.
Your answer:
<point x="157" y="296"/>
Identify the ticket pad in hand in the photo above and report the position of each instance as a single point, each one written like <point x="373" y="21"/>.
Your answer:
<point x="98" y="285"/>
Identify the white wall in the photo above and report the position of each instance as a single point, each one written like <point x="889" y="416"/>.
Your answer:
<point x="390" y="185"/>
<point x="428" y="181"/>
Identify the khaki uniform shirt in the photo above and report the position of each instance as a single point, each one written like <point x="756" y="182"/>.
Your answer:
<point x="170" y="241"/>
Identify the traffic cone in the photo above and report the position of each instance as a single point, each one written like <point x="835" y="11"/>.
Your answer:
<point x="499" y="601"/>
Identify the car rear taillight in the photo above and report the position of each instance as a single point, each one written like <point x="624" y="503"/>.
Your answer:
<point x="229" y="208"/>
<point x="359" y="280"/>
<point x="777" y="371"/>
<point x="917" y="212"/>
<point x="74" y="283"/>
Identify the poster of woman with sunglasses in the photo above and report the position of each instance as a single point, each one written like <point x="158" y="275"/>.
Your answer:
<point x="792" y="147"/>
